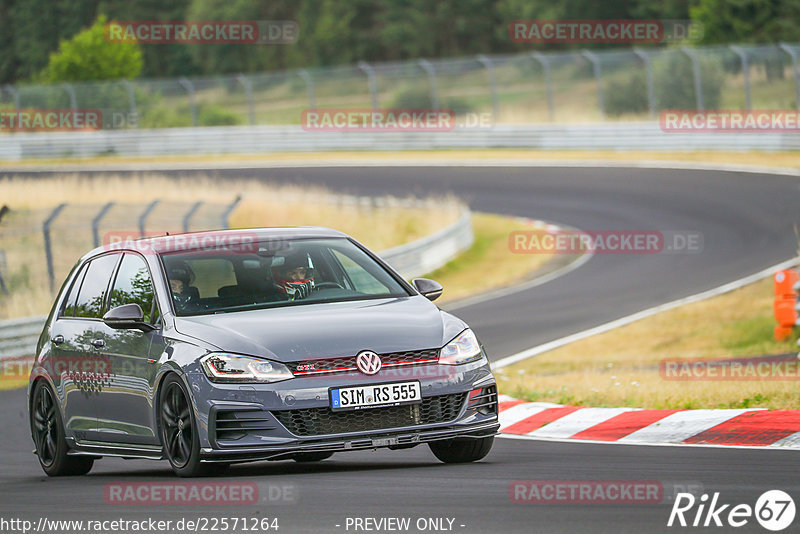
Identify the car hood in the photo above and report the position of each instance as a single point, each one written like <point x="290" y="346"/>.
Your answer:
<point x="326" y="330"/>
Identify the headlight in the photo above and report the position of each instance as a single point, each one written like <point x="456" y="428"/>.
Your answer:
<point x="225" y="367"/>
<point x="464" y="348"/>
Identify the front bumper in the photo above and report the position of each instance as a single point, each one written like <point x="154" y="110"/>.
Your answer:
<point x="388" y="439"/>
<point x="259" y="422"/>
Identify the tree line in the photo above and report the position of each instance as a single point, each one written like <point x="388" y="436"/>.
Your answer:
<point x="334" y="32"/>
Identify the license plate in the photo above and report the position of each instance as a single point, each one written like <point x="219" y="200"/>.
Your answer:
<point x="375" y="396"/>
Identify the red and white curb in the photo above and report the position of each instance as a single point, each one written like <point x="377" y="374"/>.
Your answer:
<point x="727" y="428"/>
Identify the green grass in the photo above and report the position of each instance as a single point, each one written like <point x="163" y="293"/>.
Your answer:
<point x="488" y="264"/>
<point x="621" y="367"/>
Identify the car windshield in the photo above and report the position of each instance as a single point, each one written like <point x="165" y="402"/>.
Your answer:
<point x="275" y="273"/>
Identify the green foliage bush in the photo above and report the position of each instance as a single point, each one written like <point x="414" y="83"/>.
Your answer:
<point x="213" y="115"/>
<point x="414" y="98"/>
<point x="674" y="82"/>
<point x="89" y="56"/>
<point x="673" y="78"/>
<point x="626" y="95"/>
<point x="420" y="98"/>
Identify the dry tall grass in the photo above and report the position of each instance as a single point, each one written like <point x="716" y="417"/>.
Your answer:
<point x="378" y="223"/>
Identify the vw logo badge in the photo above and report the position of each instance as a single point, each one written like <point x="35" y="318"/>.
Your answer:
<point x="368" y="362"/>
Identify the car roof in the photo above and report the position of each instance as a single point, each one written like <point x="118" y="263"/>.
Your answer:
<point x="258" y="234"/>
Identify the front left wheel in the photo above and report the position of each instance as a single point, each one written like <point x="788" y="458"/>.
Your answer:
<point x="461" y="450"/>
<point x="179" y="431"/>
<point x="48" y="434"/>
<point x="308" y="457"/>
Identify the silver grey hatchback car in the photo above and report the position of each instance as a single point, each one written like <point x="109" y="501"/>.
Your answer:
<point x="213" y="348"/>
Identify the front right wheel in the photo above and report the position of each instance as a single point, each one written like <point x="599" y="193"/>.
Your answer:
<point x="461" y="450"/>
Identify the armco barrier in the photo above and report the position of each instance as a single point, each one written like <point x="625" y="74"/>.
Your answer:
<point x="431" y="252"/>
<point x="621" y="136"/>
<point x="18" y="337"/>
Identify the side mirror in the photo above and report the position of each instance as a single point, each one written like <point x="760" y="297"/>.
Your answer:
<point x="428" y="288"/>
<point x="125" y="317"/>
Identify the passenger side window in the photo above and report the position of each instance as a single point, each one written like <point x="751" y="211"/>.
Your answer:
<point x="363" y="281"/>
<point x="133" y="285"/>
<point x="92" y="294"/>
<point x="68" y="310"/>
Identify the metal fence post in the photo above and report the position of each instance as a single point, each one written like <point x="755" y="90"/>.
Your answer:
<point x="312" y="101"/>
<point x="371" y="81"/>
<point x="486" y="62"/>
<point x="3" y="210"/>
<point x="597" y="67"/>
<point x="651" y="89"/>
<point x="48" y="246"/>
<point x="548" y="83"/>
<point x="430" y="70"/>
<point x="186" y="84"/>
<point x="14" y="94"/>
<point x="73" y="100"/>
<point x="188" y="216"/>
<point x="745" y="73"/>
<point x="143" y="217"/>
<point x="227" y="213"/>
<point x="248" y="89"/>
<point x="789" y="50"/>
<point x="131" y="101"/>
<point x="96" y="223"/>
<point x="698" y="83"/>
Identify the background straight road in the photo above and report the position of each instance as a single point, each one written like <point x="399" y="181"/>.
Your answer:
<point x="747" y="225"/>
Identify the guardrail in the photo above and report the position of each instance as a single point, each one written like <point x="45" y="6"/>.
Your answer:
<point x="18" y="337"/>
<point x="427" y="254"/>
<point x="622" y="136"/>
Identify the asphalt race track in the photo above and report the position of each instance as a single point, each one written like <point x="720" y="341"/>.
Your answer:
<point x="747" y="225"/>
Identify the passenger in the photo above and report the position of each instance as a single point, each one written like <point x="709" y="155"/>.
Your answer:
<point x="180" y="279"/>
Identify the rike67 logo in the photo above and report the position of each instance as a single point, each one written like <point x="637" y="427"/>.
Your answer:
<point x="774" y="510"/>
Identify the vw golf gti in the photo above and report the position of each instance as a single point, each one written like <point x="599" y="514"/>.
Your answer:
<point x="214" y="348"/>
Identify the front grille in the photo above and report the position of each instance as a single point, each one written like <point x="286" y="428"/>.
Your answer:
<point x="231" y="425"/>
<point x="319" y="421"/>
<point x="348" y="363"/>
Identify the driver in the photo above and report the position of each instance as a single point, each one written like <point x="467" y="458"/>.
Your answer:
<point x="295" y="277"/>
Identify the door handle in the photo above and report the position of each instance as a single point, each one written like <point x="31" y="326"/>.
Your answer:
<point x="98" y="343"/>
<point x="58" y="340"/>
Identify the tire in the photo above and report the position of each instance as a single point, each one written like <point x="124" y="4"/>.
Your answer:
<point x="461" y="450"/>
<point x="47" y="430"/>
<point x="178" y="430"/>
<point x="306" y="457"/>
